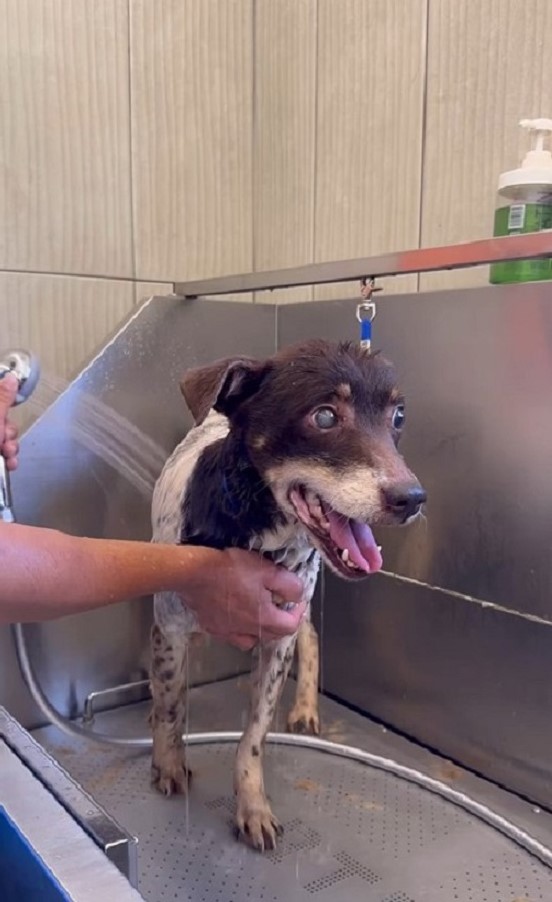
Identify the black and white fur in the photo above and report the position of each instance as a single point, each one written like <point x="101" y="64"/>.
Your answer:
<point x="174" y="624"/>
<point x="228" y="484"/>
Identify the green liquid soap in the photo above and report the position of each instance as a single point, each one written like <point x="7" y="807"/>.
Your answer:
<point x="525" y="205"/>
<point x="518" y="219"/>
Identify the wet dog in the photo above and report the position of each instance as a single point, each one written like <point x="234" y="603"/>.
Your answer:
<point x="294" y="457"/>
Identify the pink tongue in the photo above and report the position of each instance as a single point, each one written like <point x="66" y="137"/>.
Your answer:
<point x="358" y="539"/>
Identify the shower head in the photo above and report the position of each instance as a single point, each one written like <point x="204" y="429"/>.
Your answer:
<point x="25" y="366"/>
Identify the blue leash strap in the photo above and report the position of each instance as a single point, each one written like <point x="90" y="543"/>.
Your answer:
<point x="366" y="312"/>
<point x="366" y="333"/>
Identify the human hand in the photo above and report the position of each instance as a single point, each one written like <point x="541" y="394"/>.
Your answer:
<point x="9" y="446"/>
<point x="232" y="597"/>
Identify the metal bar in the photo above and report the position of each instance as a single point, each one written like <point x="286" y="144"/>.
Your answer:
<point x="429" y="259"/>
<point x="118" y="845"/>
<point x="483" y="812"/>
<point x="118" y="696"/>
<point x="82" y="873"/>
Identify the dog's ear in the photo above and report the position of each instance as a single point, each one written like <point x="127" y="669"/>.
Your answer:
<point x="221" y="386"/>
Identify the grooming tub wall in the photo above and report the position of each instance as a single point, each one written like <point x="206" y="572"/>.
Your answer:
<point x="463" y="663"/>
<point x="88" y="467"/>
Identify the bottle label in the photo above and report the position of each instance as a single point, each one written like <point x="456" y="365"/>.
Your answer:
<point x="515" y="220"/>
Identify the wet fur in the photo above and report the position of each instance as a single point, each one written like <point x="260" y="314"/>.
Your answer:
<point x="227" y="485"/>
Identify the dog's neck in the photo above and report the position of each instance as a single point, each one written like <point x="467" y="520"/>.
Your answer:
<point x="227" y="503"/>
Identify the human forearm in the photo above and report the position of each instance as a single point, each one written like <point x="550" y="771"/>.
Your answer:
<point x="46" y="574"/>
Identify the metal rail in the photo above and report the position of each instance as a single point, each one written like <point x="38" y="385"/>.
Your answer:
<point x="428" y="259"/>
<point x="402" y="772"/>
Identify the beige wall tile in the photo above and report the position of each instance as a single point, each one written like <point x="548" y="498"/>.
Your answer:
<point x="65" y="136"/>
<point x="489" y="65"/>
<point x="284" y="132"/>
<point x="63" y="320"/>
<point x="192" y="101"/>
<point x="371" y="59"/>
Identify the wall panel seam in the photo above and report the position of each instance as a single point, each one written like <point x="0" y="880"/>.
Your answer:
<point x="423" y="131"/>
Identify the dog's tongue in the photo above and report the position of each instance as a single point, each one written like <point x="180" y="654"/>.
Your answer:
<point x="358" y="539"/>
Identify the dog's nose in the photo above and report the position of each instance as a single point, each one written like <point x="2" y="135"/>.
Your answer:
<point x="405" y="499"/>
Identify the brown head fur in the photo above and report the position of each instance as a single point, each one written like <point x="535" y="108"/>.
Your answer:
<point x="275" y="405"/>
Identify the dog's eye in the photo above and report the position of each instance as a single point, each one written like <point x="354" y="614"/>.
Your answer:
<point x="325" y="418"/>
<point x="399" y="416"/>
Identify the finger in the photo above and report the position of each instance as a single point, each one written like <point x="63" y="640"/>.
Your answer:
<point x="10" y="449"/>
<point x="279" y="622"/>
<point x="286" y="585"/>
<point x="9" y="386"/>
<point x="11" y="432"/>
<point x="12" y="463"/>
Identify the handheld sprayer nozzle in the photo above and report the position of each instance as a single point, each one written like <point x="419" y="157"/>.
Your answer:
<point x="25" y="367"/>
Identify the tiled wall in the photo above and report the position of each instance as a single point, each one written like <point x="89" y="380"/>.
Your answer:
<point x="174" y="139"/>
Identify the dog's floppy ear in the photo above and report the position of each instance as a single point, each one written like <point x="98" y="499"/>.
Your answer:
<point x="222" y="385"/>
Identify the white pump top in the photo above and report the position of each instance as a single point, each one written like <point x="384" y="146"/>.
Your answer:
<point x="536" y="167"/>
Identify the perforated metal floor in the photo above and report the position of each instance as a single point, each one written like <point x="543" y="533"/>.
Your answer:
<point x="351" y="832"/>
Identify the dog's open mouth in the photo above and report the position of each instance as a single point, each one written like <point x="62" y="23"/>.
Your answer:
<point x="348" y="544"/>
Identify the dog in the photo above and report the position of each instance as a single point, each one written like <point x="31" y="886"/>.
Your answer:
<point x="294" y="457"/>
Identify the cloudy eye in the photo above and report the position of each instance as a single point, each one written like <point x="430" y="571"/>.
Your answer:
<point x="325" y="418"/>
<point x="399" y="416"/>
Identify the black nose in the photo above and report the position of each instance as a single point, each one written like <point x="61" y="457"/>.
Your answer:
<point x="405" y="499"/>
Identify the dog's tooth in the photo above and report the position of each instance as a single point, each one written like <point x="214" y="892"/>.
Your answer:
<point x="345" y="555"/>
<point x="351" y="566"/>
<point x="379" y="548"/>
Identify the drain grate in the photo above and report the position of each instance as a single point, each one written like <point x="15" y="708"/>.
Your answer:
<point x="351" y="833"/>
<point x="511" y="877"/>
<point x="349" y="868"/>
<point x="298" y="837"/>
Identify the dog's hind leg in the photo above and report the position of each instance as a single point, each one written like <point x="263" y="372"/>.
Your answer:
<point x="169" y="773"/>
<point x="303" y="716"/>
<point x="254" y="817"/>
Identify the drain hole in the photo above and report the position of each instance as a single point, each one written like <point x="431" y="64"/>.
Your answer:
<point x="226" y="802"/>
<point x="349" y="868"/>
<point x="298" y="837"/>
<point x="398" y="897"/>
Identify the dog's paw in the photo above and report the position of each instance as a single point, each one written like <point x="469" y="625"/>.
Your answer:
<point x="303" y="719"/>
<point x="172" y="776"/>
<point x="257" y="826"/>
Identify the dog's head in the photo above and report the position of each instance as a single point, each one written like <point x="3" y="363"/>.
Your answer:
<point x="321" y="423"/>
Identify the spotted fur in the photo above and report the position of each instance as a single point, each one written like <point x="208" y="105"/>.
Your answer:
<point x="226" y="484"/>
<point x="174" y="624"/>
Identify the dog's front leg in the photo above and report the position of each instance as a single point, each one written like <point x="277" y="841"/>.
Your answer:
<point x="254" y="817"/>
<point x="169" y="773"/>
<point x="303" y="717"/>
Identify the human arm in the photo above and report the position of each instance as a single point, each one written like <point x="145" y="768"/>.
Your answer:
<point x="46" y="574"/>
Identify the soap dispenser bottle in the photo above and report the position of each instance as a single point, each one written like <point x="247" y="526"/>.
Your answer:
<point x="525" y="205"/>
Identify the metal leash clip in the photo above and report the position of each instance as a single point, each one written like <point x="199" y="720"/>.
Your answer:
<point x="366" y="311"/>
